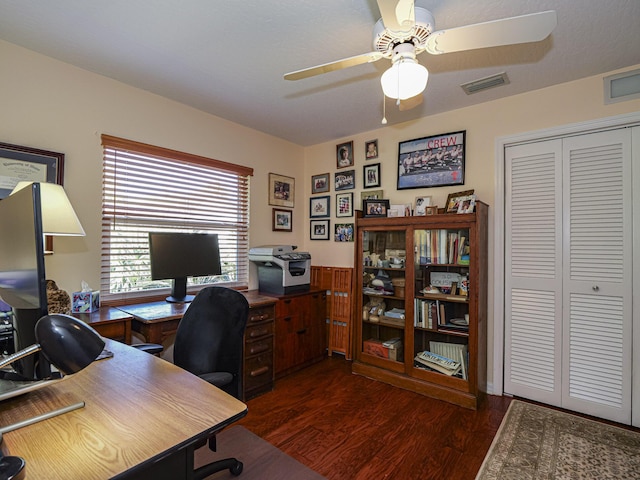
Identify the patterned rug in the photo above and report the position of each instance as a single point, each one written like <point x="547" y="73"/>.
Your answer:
<point x="535" y="442"/>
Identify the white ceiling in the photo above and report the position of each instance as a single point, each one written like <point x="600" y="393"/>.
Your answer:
<point x="228" y="57"/>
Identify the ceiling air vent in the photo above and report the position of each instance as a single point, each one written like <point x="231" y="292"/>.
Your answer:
<point x="484" y="83"/>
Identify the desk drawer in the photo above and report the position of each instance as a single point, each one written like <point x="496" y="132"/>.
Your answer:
<point x="114" y="330"/>
<point x="261" y="314"/>
<point x="258" y="331"/>
<point x="258" y="371"/>
<point x="261" y="345"/>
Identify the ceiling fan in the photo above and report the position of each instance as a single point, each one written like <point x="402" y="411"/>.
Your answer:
<point x="404" y="31"/>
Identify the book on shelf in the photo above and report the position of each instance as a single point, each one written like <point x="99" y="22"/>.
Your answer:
<point x="441" y="246"/>
<point x="439" y="363"/>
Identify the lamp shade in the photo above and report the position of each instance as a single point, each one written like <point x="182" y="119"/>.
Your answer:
<point x="58" y="216"/>
<point x="406" y="78"/>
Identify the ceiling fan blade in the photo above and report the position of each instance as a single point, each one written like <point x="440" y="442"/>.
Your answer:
<point x="410" y="103"/>
<point x="526" y="28"/>
<point x="397" y="15"/>
<point x="332" y="66"/>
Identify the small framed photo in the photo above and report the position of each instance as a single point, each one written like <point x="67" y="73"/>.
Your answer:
<point x="453" y="201"/>
<point x="432" y="161"/>
<point x="431" y="210"/>
<point x="371" y="175"/>
<point x="375" y="208"/>
<point x="467" y="204"/>
<point x="345" y="180"/>
<point x="371" y="149"/>
<point x="319" y="229"/>
<point x="420" y="206"/>
<point x="344" y="204"/>
<point x="281" y="190"/>
<point x="320" y="183"/>
<point x="343" y="232"/>
<point x="344" y="154"/>
<point x="282" y="220"/>
<point x="319" y="206"/>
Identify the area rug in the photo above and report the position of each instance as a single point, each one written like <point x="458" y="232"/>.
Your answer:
<point x="261" y="460"/>
<point x="535" y="442"/>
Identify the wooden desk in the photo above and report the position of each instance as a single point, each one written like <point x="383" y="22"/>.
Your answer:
<point x="109" y="322"/>
<point x="137" y="423"/>
<point x="157" y="321"/>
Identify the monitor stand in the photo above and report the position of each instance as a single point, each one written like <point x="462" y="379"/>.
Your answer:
<point x="179" y="292"/>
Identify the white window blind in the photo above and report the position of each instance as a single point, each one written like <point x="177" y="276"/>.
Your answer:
<point x="147" y="188"/>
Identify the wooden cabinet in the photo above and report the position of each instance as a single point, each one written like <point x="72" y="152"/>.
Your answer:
<point x="421" y="290"/>
<point x="258" y="372"/>
<point x="300" y="330"/>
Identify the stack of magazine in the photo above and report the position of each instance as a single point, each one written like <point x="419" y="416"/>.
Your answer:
<point x="438" y="363"/>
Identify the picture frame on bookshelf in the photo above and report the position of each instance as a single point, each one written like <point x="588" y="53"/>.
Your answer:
<point x="371" y="149"/>
<point x="421" y="204"/>
<point x="371" y="175"/>
<point x="319" y="206"/>
<point x="345" y="180"/>
<point x="375" y="208"/>
<point x="282" y="220"/>
<point x="433" y="161"/>
<point x="319" y="229"/>
<point x="344" y="232"/>
<point x="467" y="204"/>
<point x="344" y="204"/>
<point x="453" y="200"/>
<point x="320" y="183"/>
<point x="344" y="154"/>
<point x="431" y="210"/>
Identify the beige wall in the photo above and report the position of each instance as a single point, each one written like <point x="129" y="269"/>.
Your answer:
<point x="53" y="106"/>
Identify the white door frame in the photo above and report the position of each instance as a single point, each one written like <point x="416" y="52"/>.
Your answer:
<point x="501" y="144"/>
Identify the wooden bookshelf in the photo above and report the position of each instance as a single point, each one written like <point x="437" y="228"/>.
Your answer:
<point x="441" y="263"/>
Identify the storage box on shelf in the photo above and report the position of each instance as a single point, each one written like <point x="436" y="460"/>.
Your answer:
<point x="429" y="274"/>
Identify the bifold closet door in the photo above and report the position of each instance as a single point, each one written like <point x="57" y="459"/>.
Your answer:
<point x="568" y="273"/>
<point x="597" y="294"/>
<point x="533" y="271"/>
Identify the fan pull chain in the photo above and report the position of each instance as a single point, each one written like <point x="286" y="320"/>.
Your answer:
<point x="384" y="109"/>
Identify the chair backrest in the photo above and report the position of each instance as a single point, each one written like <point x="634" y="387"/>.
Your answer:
<point x="210" y="336"/>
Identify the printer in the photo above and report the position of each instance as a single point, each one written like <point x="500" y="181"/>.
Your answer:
<point x="281" y="270"/>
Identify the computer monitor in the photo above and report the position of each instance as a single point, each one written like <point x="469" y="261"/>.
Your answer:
<point x="176" y="256"/>
<point x="22" y="275"/>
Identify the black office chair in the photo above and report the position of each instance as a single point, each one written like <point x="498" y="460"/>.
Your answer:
<point x="209" y="343"/>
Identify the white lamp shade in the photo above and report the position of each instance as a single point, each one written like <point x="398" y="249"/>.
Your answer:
<point x="405" y="79"/>
<point x="58" y="216"/>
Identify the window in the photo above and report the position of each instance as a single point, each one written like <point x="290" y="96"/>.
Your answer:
<point x="147" y="188"/>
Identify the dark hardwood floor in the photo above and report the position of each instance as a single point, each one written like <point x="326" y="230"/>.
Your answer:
<point x="345" y="426"/>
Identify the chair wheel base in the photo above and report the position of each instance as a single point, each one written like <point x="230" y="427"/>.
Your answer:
<point x="236" y="469"/>
<point x="233" y="465"/>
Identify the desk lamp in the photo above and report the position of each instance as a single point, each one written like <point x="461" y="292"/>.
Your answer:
<point x="70" y="345"/>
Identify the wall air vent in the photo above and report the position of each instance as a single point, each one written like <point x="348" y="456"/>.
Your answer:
<point x="484" y="83"/>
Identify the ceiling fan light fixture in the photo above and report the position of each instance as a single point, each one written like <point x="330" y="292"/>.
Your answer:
<point x="406" y="78"/>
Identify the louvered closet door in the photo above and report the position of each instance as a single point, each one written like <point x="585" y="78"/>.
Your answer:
<point x="568" y="299"/>
<point x="597" y="335"/>
<point x="533" y="271"/>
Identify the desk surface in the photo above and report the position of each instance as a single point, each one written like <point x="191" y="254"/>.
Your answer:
<point x="162" y="311"/>
<point x="137" y="410"/>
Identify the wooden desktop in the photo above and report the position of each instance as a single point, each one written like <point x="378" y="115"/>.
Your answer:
<point x="137" y="422"/>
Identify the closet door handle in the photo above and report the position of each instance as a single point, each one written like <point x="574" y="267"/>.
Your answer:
<point x="595" y="288"/>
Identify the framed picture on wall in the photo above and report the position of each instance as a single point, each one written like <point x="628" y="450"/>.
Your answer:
<point x="432" y="161"/>
<point x="319" y="206"/>
<point x="344" y="155"/>
<point x="281" y="190"/>
<point x="319" y="229"/>
<point x="343" y="232"/>
<point x="344" y="204"/>
<point x="320" y="183"/>
<point x="345" y="180"/>
<point x="371" y="149"/>
<point x="282" y="220"/>
<point x="371" y="175"/>
<point x="26" y="164"/>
